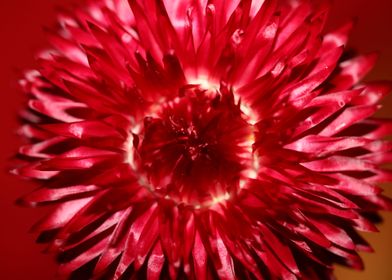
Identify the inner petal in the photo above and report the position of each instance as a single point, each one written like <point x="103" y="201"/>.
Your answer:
<point x="195" y="149"/>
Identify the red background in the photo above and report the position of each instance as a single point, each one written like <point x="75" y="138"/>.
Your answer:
<point x="21" y="35"/>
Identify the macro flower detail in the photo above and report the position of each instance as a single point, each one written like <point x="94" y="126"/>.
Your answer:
<point x="203" y="139"/>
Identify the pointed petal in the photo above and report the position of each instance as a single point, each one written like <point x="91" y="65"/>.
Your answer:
<point x="155" y="263"/>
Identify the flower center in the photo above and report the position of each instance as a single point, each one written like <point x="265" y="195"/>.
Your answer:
<point x="195" y="149"/>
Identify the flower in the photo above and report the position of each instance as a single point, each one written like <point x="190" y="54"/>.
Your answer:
<point x="203" y="139"/>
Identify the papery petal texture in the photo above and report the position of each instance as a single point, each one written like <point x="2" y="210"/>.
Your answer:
<point x="203" y="139"/>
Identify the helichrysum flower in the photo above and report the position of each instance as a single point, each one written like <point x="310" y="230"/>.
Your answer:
<point x="195" y="139"/>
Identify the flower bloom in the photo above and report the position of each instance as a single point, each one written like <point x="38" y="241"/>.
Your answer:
<point x="195" y="139"/>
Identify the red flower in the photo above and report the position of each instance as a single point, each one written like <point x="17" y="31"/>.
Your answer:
<point x="204" y="139"/>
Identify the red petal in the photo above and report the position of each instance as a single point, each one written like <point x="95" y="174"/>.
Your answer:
<point x="225" y="266"/>
<point x="281" y="250"/>
<point x="199" y="258"/>
<point x="337" y="38"/>
<point x="88" y="255"/>
<point x="83" y="129"/>
<point x="155" y="263"/>
<point x="33" y="171"/>
<point x="142" y="216"/>
<point x="350" y="116"/>
<point x="323" y="145"/>
<point x="338" y="164"/>
<point x="37" y="150"/>
<point x="354" y="70"/>
<point x="61" y="215"/>
<point x="116" y="244"/>
<point x="49" y="195"/>
<point x="353" y="186"/>
<point x="326" y="106"/>
<point x="334" y="233"/>
<point x="373" y="93"/>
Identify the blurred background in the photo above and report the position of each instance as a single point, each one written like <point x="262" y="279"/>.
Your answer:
<point x="21" y="36"/>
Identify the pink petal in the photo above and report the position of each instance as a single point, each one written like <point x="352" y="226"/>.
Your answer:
<point x="334" y="233"/>
<point x="323" y="145"/>
<point x="338" y="164"/>
<point x="199" y="255"/>
<point x="350" y="116"/>
<point x="281" y="250"/>
<point x="352" y="71"/>
<point x="155" y="263"/>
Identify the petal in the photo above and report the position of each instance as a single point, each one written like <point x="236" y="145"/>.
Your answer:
<point x="354" y="70"/>
<point x="353" y="186"/>
<point x="38" y="150"/>
<point x="337" y="38"/>
<point x="61" y="215"/>
<point x="281" y="250"/>
<point x="334" y="233"/>
<point x="155" y="263"/>
<point x="350" y="116"/>
<point x="199" y="255"/>
<point x="373" y="93"/>
<point x="323" y="145"/>
<point x="83" y="129"/>
<point x="42" y="195"/>
<point x="225" y="266"/>
<point x="338" y="164"/>
<point x="141" y="217"/>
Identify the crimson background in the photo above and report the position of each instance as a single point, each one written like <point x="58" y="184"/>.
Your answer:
<point x="21" y="36"/>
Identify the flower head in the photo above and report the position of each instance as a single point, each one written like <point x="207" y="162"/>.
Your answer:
<point x="204" y="139"/>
